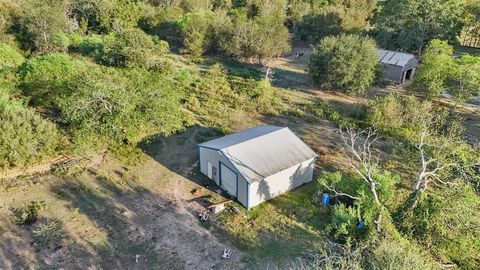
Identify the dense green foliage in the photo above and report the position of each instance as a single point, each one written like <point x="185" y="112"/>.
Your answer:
<point x="410" y="24"/>
<point x="448" y="221"/>
<point x="134" y="48"/>
<point x="9" y="57"/>
<point x="443" y="73"/>
<point x="26" y="137"/>
<point x="44" y="78"/>
<point x="345" y="62"/>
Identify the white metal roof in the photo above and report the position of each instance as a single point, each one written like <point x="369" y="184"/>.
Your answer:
<point x="395" y="58"/>
<point x="262" y="151"/>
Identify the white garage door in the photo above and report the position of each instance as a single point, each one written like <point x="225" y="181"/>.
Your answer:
<point x="229" y="180"/>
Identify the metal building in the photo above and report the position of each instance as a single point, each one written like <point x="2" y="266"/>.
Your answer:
<point x="257" y="164"/>
<point x="399" y="67"/>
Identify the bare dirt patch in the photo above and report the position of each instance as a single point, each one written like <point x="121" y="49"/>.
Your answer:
<point x="115" y="217"/>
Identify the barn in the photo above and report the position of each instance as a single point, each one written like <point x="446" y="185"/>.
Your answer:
<point x="257" y="164"/>
<point x="399" y="67"/>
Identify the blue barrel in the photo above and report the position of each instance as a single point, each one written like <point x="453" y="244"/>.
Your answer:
<point x="326" y="199"/>
<point x="361" y="225"/>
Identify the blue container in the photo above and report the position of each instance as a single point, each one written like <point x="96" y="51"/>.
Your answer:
<point x="326" y="199"/>
<point x="361" y="225"/>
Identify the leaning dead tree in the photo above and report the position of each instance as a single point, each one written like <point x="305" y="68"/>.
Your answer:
<point x="430" y="169"/>
<point x="358" y="151"/>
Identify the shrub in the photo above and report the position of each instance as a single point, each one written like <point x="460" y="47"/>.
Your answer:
<point x="406" y="116"/>
<point x="26" y="137"/>
<point x="392" y="255"/>
<point x="267" y="99"/>
<point x="28" y="214"/>
<point x="438" y="62"/>
<point x="46" y="77"/>
<point x="346" y="62"/>
<point x="134" y="48"/>
<point x="344" y="221"/>
<point x="48" y="234"/>
<point x="40" y="24"/>
<point x="447" y="222"/>
<point x="9" y="57"/>
<point x="91" y="45"/>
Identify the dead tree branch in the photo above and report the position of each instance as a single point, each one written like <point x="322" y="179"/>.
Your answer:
<point x="362" y="161"/>
<point x="429" y="169"/>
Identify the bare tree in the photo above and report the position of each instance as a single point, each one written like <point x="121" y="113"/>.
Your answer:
<point x="430" y="168"/>
<point x="358" y="151"/>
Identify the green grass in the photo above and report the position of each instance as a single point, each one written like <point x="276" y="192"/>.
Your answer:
<point x="279" y="229"/>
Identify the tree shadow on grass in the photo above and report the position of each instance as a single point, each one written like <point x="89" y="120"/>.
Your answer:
<point x="24" y="247"/>
<point x="179" y="152"/>
<point x="127" y="229"/>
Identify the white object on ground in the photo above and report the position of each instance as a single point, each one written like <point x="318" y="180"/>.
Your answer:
<point x="203" y="216"/>
<point x="136" y="258"/>
<point x="227" y="253"/>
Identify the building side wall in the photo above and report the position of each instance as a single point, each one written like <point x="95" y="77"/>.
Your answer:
<point x="212" y="156"/>
<point x="393" y="73"/>
<point x="281" y="182"/>
<point x="215" y="157"/>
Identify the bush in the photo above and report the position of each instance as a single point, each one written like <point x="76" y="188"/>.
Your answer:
<point x="46" y="77"/>
<point x="91" y="45"/>
<point x="9" y="57"/>
<point x="447" y="222"/>
<point x="26" y="137"/>
<point x="344" y="221"/>
<point x="346" y="62"/>
<point x="48" y="234"/>
<point x="28" y="214"/>
<point x="406" y="116"/>
<point x="134" y="48"/>
<point x="391" y="255"/>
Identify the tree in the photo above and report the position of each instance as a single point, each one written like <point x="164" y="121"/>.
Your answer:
<point x="408" y="25"/>
<point x="442" y="72"/>
<point x="471" y="32"/>
<point x="465" y="78"/>
<point x="40" y="22"/>
<point x="430" y="167"/>
<point x="345" y="62"/>
<point x="196" y="30"/>
<point x="8" y="9"/>
<point x="45" y="78"/>
<point x="115" y="105"/>
<point x="362" y="161"/>
<point x="446" y="223"/>
<point x="438" y="62"/>
<point x="134" y="48"/>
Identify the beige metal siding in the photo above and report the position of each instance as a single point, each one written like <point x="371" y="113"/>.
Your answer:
<point x="215" y="157"/>
<point x="281" y="182"/>
<point x="209" y="155"/>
